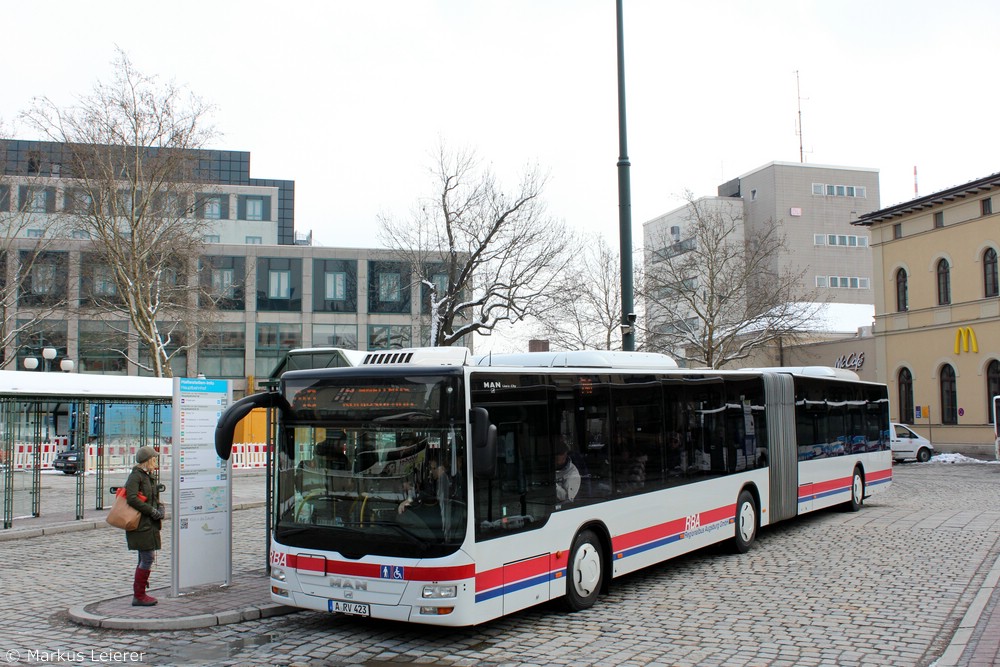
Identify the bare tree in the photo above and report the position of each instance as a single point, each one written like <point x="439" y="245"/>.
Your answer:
<point x="715" y="294"/>
<point x="589" y="314"/>
<point x="128" y="148"/>
<point x="482" y="255"/>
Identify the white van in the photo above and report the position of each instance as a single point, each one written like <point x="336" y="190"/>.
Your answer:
<point x="908" y="445"/>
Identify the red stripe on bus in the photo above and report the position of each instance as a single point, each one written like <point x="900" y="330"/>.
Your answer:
<point x="646" y="535"/>
<point x="508" y="574"/>
<point x="878" y="475"/>
<point x="321" y="565"/>
<point x="828" y="485"/>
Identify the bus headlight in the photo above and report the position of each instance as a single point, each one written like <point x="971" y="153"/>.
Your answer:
<point x="439" y="592"/>
<point x="277" y="573"/>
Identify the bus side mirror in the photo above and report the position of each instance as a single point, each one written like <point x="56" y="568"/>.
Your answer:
<point x="484" y="443"/>
<point x="232" y="416"/>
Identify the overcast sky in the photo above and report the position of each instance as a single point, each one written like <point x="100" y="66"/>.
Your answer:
<point x="351" y="99"/>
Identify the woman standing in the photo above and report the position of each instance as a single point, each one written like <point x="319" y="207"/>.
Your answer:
<point x="141" y="493"/>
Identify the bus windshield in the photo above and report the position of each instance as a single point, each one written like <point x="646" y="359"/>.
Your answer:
<point x="372" y="466"/>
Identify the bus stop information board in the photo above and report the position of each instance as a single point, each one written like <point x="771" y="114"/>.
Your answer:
<point x="202" y="489"/>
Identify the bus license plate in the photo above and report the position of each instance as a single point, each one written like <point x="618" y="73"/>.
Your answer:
<point x="352" y="608"/>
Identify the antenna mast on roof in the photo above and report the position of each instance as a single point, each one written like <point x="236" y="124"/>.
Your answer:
<point x="916" y="192"/>
<point x="798" y="130"/>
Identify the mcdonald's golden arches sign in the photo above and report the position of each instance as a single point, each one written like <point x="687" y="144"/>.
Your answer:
<point x="965" y="340"/>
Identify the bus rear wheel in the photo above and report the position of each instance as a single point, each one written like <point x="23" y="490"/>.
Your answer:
<point x="585" y="571"/>
<point x="746" y="522"/>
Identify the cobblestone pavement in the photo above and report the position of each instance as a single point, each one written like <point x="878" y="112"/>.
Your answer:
<point x="886" y="586"/>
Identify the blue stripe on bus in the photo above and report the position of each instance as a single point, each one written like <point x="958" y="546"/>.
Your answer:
<point x="649" y="545"/>
<point x="514" y="587"/>
<point x="825" y="494"/>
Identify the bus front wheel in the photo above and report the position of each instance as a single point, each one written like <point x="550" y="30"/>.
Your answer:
<point x="857" y="492"/>
<point x="585" y="571"/>
<point x="746" y="522"/>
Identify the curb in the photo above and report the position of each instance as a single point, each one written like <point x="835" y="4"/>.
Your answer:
<point x="960" y="641"/>
<point x="81" y="616"/>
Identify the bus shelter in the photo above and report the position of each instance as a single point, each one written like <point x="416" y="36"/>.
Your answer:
<point x="104" y="419"/>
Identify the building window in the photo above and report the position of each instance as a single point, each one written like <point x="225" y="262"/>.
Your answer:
<point x="81" y="234"/>
<point x="254" y="240"/>
<point x="103" y="347"/>
<point x="987" y="206"/>
<point x="820" y="281"/>
<point x="213" y="208"/>
<point x="943" y="282"/>
<point x="210" y="238"/>
<point x="949" y="395"/>
<point x="43" y="279"/>
<point x="335" y="335"/>
<point x="905" y="385"/>
<point x="850" y="190"/>
<point x="255" y="208"/>
<point x="34" y="233"/>
<point x="38" y="201"/>
<point x="279" y="284"/>
<point x="861" y="192"/>
<point x="831" y="190"/>
<point x="992" y="387"/>
<point x="902" y="297"/>
<point x="273" y="340"/>
<point x="389" y="336"/>
<point x="819" y="239"/>
<point x="222" y="351"/>
<point x="336" y="285"/>
<point x="938" y="219"/>
<point x="897" y="231"/>
<point x="990" y="285"/>
<point x="389" y="287"/>
<point x="104" y="282"/>
<point x="222" y="283"/>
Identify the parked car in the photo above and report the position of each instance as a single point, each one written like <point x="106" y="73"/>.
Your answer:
<point x="67" y="461"/>
<point x="909" y="445"/>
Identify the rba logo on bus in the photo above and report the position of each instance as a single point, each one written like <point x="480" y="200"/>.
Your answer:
<point x="692" y="522"/>
<point x="965" y="338"/>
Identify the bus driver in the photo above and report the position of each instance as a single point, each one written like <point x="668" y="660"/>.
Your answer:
<point x="567" y="476"/>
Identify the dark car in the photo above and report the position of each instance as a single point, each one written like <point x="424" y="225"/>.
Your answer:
<point x="67" y="461"/>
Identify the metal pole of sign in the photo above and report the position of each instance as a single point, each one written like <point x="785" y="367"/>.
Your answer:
<point x="930" y="429"/>
<point x="10" y="414"/>
<point x="36" y="466"/>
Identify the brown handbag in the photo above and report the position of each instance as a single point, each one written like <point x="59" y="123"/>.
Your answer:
<point x="122" y="515"/>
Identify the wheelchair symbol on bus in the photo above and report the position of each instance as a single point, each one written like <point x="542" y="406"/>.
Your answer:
<point x="394" y="572"/>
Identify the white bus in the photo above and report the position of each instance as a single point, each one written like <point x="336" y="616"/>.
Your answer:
<point x="428" y="486"/>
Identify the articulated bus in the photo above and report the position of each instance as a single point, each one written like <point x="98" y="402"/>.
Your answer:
<point x="430" y="486"/>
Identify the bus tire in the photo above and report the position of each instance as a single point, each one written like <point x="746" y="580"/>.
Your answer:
<point x="746" y="522"/>
<point x="585" y="571"/>
<point x="924" y="455"/>
<point x="857" y="492"/>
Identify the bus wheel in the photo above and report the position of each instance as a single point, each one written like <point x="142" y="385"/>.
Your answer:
<point x="857" y="492"/>
<point x="585" y="571"/>
<point x="746" y="522"/>
<point x="924" y="455"/>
